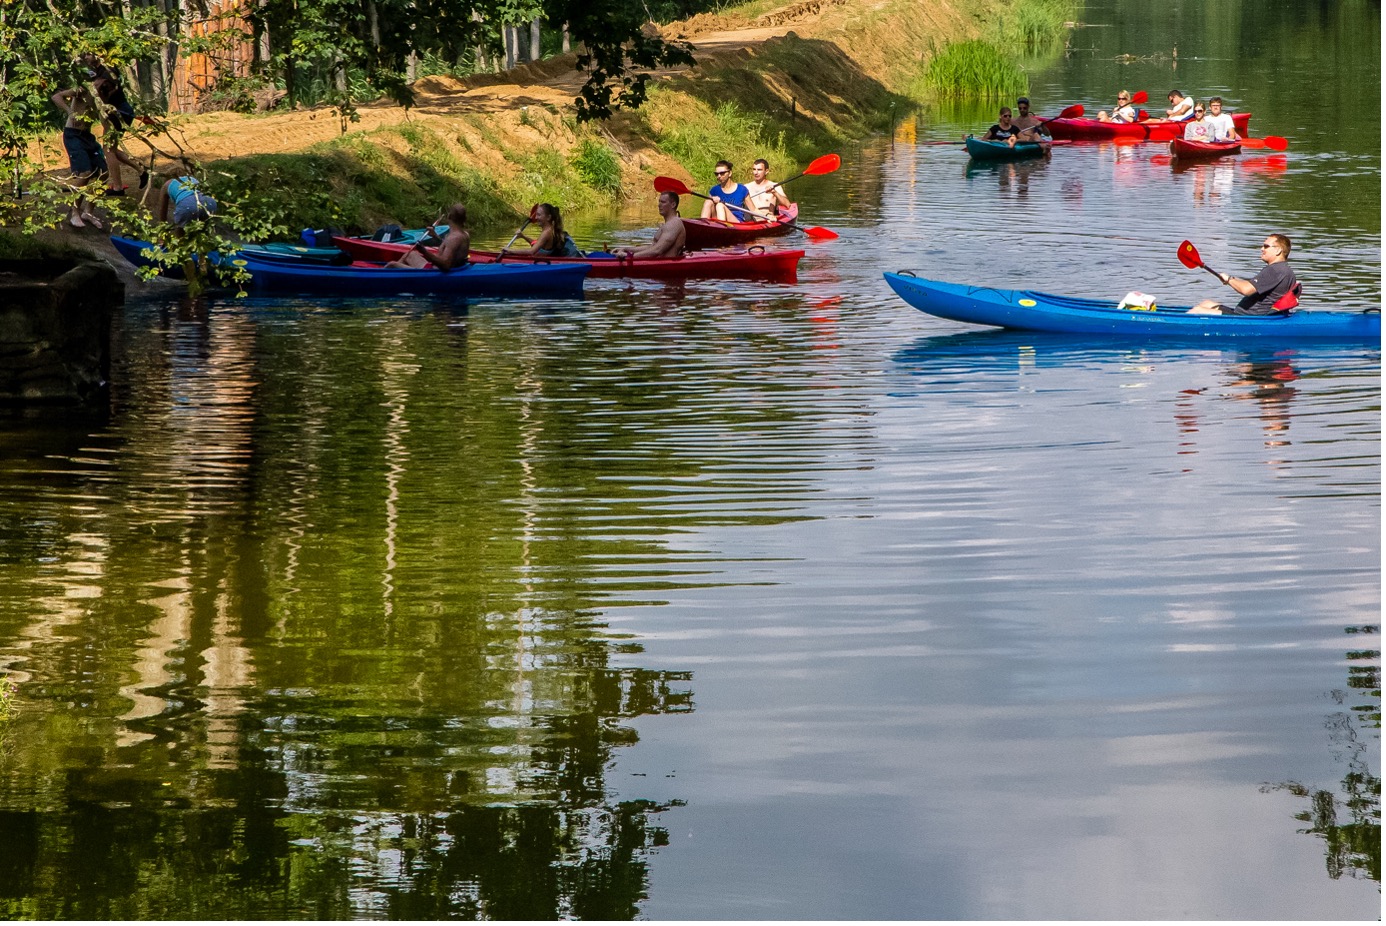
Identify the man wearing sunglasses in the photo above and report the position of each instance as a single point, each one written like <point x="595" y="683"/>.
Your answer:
<point x="727" y="200"/>
<point x="1260" y="293"/>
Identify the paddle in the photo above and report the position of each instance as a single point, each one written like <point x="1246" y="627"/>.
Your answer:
<point x="819" y="166"/>
<point x="1273" y="142"/>
<point x="1188" y="256"/>
<point x="678" y="188"/>
<point x="533" y="214"/>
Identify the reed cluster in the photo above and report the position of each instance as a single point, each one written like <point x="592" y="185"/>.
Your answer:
<point x="975" y="69"/>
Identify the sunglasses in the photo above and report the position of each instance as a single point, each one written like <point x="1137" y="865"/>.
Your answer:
<point x="722" y="173"/>
<point x="1198" y="112"/>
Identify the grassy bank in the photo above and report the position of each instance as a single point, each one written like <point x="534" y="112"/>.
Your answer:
<point x="851" y="71"/>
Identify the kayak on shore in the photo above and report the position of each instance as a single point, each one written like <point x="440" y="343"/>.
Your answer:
<point x="1086" y="129"/>
<point x="363" y="278"/>
<point x="755" y="263"/>
<point x="1190" y="150"/>
<point x="985" y="150"/>
<point x="1025" y="310"/>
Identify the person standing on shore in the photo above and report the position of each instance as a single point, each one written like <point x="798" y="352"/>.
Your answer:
<point x="84" y="156"/>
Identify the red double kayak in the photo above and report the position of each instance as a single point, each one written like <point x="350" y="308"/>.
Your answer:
<point x="710" y="233"/>
<point x="1093" y="130"/>
<point x="755" y="263"/>
<point x="1188" y="150"/>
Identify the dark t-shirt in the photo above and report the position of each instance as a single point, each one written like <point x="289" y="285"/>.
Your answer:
<point x="999" y="134"/>
<point x="1271" y="283"/>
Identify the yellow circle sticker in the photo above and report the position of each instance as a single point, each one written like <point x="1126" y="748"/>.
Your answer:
<point x="1027" y="302"/>
<point x="238" y="263"/>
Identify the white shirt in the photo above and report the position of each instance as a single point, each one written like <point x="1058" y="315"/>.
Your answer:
<point x="1182" y="110"/>
<point x="1220" y="127"/>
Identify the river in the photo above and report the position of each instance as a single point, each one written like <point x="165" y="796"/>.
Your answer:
<point x="736" y="600"/>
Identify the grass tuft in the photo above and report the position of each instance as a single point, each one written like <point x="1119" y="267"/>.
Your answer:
<point x="974" y="69"/>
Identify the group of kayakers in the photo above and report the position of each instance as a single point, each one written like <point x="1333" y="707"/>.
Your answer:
<point x="1203" y="123"/>
<point x="730" y="201"/>
<point x="1012" y="128"/>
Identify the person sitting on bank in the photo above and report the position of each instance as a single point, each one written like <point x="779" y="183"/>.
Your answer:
<point x="724" y="196"/>
<point x="1124" y="111"/>
<point x="454" y="252"/>
<point x="182" y="201"/>
<point x="1181" y="107"/>
<point x="1261" y="292"/>
<point x="765" y="197"/>
<point x="669" y="237"/>
<point x="1220" y="124"/>
<point x="1031" y="126"/>
<point x="552" y="240"/>
<point x="1196" y="129"/>
<point x="1004" y="130"/>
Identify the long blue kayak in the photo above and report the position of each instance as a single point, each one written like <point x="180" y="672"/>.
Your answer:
<point x="364" y="278"/>
<point x="984" y="150"/>
<point x="1026" y="310"/>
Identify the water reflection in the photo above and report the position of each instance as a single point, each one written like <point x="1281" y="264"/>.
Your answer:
<point x="1348" y="818"/>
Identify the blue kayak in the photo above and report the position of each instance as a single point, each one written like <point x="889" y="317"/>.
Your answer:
<point x="1025" y="310"/>
<point x="984" y="150"/>
<point x="364" y="278"/>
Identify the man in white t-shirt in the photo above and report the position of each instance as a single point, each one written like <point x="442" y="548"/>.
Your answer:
<point x="1220" y="127"/>
<point x="1180" y="107"/>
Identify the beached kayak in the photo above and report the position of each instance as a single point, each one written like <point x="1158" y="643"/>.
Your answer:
<point x="754" y="263"/>
<point x="710" y="233"/>
<point x="1092" y="130"/>
<point x="1031" y="311"/>
<point x="1189" y="150"/>
<point x="373" y="279"/>
<point x="984" y="150"/>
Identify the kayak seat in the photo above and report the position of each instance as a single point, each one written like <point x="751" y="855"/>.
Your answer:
<point x="1290" y="300"/>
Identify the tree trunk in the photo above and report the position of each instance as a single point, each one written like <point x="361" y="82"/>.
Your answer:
<point x="567" y="40"/>
<point x="534" y="51"/>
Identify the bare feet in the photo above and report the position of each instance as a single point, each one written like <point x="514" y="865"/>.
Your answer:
<point x="76" y="221"/>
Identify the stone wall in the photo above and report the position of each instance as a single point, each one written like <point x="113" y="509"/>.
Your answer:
<point x="55" y="331"/>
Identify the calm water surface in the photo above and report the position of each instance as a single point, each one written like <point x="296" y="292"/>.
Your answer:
<point x="742" y="600"/>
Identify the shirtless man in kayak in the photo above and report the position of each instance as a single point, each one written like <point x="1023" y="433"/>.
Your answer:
<point x="669" y="237"/>
<point x="1261" y="292"/>
<point x="1030" y="125"/>
<point x="765" y="197"/>
<point x="452" y="253"/>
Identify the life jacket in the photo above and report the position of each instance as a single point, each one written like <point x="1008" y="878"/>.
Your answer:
<point x="1290" y="300"/>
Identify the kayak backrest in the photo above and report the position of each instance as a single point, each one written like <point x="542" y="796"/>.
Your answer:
<point x="1290" y="300"/>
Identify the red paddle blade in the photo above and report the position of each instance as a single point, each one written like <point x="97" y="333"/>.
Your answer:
<point x="1072" y="112"/>
<point x="1188" y="256"/>
<point x="822" y="234"/>
<point x="823" y="165"/>
<point x="1142" y="115"/>
<point x="670" y="185"/>
<point x="1140" y="97"/>
<point x="1276" y="143"/>
<point x="534" y="212"/>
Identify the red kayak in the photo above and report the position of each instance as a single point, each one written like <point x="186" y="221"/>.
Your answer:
<point x="710" y="233"/>
<point x="755" y="263"/>
<point x="1092" y="130"/>
<point x="1188" y="150"/>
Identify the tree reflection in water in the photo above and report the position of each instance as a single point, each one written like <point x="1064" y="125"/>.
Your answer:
<point x="1352" y="846"/>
